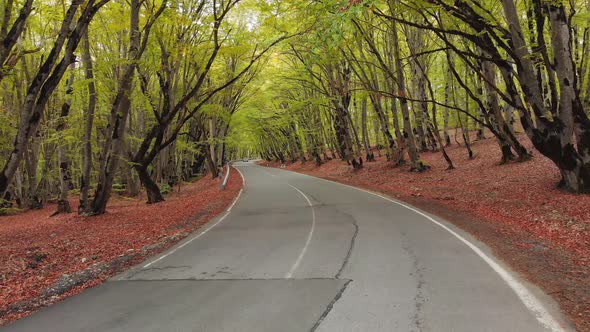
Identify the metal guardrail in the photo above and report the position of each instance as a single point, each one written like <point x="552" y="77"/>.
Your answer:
<point x="224" y="183"/>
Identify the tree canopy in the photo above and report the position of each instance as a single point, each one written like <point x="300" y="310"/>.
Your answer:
<point x="107" y="95"/>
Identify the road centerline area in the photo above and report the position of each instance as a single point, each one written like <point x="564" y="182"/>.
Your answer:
<point x="309" y="236"/>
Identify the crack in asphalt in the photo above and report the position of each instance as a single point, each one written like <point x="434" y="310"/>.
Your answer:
<point x="329" y="307"/>
<point x="419" y="298"/>
<point x="354" y="223"/>
<point x="228" y="279"/>
<point x="139" y="271"/>
<point x="350" y="248"/>
<point x="340" y="271"/>
<point x="318" y="205"/>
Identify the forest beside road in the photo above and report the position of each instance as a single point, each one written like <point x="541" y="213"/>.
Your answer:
<point x="478" y="109"/>
<point x="298" y="253"/>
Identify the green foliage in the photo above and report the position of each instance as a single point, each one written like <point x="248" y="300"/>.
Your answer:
<point x="119" y="188"/>
<point x="165" y="188"/>
<point x="9" y="211"/>
<point x="281" y="104"/>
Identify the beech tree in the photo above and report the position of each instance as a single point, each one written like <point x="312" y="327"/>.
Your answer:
<point x="46" y="80"/>
<point x="550" y="105"/>
<point x="115" y="97"/>
<point x="527" y="58"/>
<point x="136" y="98"/>
<point x="10" y="33"/>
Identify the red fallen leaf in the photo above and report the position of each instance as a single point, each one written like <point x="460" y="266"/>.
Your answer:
<point x="129" y="224"/>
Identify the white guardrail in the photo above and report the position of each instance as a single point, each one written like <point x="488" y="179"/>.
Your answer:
<point x="224" y="183"/>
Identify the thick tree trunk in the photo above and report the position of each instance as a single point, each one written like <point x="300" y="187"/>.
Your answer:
<point x="152" y="190"/>
<point x="383" y="124"/>
<point x="19" y="192"/>
<point x="343" y="137"/>
<point x="31" y="162"/>
<point x="298" y="145"/>
<point x="212" y="140"/>
<point x="377" y="133"/>
<point x="416" y="164"/>
<point x="414" y="37"/>
<point x="339" y="76"/>
<point x="507" y="138"/>
<point x="419" y="129"/>
<point x="215" y="171"/>
<point x="63" y="205"/>
<point x="356" y="147"/>
<point x="118" y="118"/>
<point x="83" y="207"/>
<point x="566" y="139"/>
<point x="398" y="156"/>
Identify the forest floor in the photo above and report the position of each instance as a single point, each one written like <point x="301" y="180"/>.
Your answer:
<point x="541" y="232"/>
<point x="46" y="259"/>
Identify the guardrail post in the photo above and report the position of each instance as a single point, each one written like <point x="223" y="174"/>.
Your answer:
<point x="224" y="183"/>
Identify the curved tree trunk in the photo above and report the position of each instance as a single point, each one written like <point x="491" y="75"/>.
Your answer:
<point x="118" y="117"/>
<point x="565" y="139"/>
<point x="152" y="190"/>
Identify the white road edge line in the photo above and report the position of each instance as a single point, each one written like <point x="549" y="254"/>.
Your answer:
<point x="203" y="232"/>
<point x="187" y="242"/>
<point x="528" y="299"/>
<point x="289" y="274"/>
<point x="235" y="200"/>
<point x="242" y="175"/>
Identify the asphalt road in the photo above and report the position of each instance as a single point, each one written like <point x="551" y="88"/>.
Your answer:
<point x="297" y="253"/>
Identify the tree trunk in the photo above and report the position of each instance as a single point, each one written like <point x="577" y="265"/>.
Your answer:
<point x="11" y="36"/>
<point x="83" y="207"/>
<point x="63" y="205"/>
<point x="566" y="139"/>
<point x="368" y="152"/>
<point x="398" y="156"/>
<point x="152" y="190"/>
<point x="383" y="124"/>
<point x="339" y="76"/>
<point x="465" y="136"/>
<point x="415" y="40"/>
<point x="505" y="135"/>
<point x="416" y="164"/>
<point x="447" y="138"/>
<point x="46" y="80"/>
<point x="31" y="156"/>
<point x="118" y="118"/>
<point x="433" y="127"/>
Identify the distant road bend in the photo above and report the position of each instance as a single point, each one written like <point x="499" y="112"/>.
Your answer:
<point x="298" y="253"/>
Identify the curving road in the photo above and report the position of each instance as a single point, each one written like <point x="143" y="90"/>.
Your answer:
<point x="297" y="253"/>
